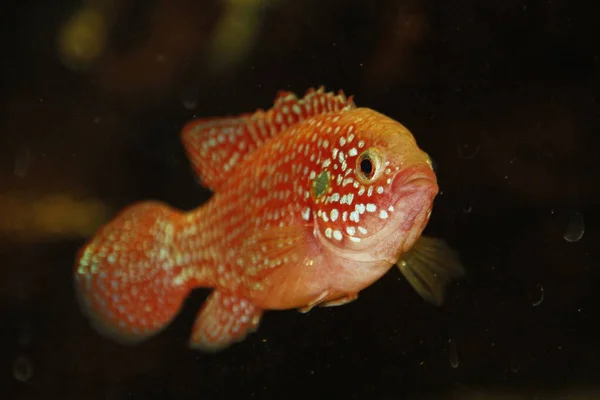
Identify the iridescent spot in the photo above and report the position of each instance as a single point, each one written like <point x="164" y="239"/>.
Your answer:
<point x="320" y="184"/>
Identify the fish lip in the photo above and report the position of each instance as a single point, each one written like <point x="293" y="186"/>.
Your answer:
<point x="411" y="179"/>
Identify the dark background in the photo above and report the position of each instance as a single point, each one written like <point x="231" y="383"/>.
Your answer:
<point x="503" y="94"/>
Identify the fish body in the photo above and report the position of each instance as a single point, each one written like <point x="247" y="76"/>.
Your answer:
<point x="315" y="199"/>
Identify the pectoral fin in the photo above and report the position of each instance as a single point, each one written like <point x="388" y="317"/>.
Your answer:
<point x="430" y="266"/>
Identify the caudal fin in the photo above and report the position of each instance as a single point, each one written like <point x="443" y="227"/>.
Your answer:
<point x="430" y="266"/>
<point x="128" y="278"/>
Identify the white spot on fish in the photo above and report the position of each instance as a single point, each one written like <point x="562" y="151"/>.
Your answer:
<point x="349" y="198"/>
<point x="337" y="235"/>
<point x="334" y="214"/>
<point x="306" y="213"/>
<point x="371" y="207"/>
<point x="383" y="214"/>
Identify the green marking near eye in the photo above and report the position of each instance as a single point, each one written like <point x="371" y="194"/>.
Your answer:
<point x="320" y="184"/>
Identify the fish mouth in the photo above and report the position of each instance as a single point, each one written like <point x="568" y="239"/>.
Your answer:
<point x="411" y="214"/>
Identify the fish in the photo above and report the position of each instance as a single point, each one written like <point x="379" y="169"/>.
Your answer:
<point x="313" y="200"/>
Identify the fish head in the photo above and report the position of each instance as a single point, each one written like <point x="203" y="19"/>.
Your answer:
<point x="375" y="195"/>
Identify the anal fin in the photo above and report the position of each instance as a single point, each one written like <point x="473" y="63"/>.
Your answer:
<point x="224" y="320"/>
<point x="430" y="266"/>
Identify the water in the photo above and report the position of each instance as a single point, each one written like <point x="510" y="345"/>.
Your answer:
<point x="22" y="160"/>
<point x="25" y="334"/>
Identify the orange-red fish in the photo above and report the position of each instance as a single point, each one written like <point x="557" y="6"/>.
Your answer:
<point x="315" y="199"/>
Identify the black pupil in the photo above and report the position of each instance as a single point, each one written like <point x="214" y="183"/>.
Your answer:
<point x="366" y="166"/>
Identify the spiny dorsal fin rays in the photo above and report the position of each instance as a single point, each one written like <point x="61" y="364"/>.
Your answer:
<point x="215" y="146"/>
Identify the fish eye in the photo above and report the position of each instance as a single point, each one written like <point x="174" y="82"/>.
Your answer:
<point x="369" y="165"/>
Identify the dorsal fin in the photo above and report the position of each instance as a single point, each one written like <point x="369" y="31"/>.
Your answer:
<point x="216" y="145"/>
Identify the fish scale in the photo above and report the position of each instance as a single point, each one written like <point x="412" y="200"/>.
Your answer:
<point x="294" y="222"/>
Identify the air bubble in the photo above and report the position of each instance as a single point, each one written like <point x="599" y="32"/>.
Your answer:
<point x="537" y="295"/>
<point x="514" y="365"/>
<point x="575" y="227"/>
<point x="189" y="99"/>
<point x="453" y="354"/>
<point x="467" y="150"/>
<point x="22" y="369"/>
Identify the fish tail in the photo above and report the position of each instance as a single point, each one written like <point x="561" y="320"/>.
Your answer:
<point x="130" y="278"/>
